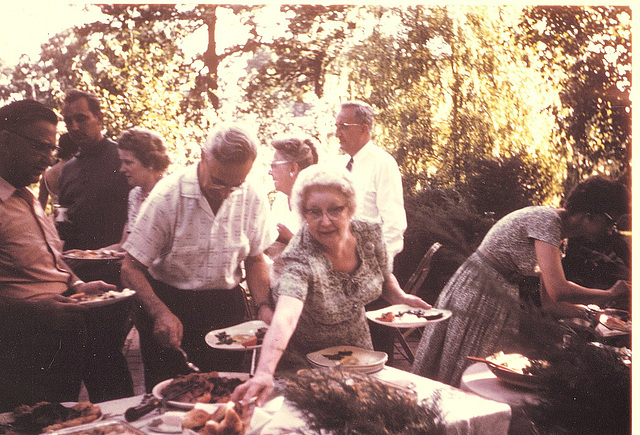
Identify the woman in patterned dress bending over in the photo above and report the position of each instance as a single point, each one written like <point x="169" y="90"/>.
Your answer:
<point x="483" y="293"/>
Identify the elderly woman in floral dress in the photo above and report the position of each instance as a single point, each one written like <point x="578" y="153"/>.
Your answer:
<point x="333" y="267"/>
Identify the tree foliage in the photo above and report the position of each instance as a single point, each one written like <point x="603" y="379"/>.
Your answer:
<point x="587" y="51"/>
<point x="452" y="89"/>
<point x="460" y="91"/>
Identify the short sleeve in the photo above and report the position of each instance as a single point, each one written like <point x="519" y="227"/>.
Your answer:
<point x="545" y="225"/>
<point x="294" y="280"/>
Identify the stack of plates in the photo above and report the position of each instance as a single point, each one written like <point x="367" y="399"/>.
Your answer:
<point x="348" y="358"/>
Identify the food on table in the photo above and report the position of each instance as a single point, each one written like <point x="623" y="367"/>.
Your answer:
<point x="112" y="294"/>
<point x="201" y="388"/>
<point x="390" y="316"/>
<point x="245" y="340"/>
<point x="107" y="428"/>
<point x="615" y="322"/>
<point x="345" y="357"/>
<point x="225" y="420"/>
<point x="93" y="254"/>
<point x="515" y="362"/>
<point x="49" y="417"/>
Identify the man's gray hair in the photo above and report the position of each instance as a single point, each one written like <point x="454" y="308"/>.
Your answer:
<point x="231" y="144"/>
<point x="323" y="176"/>
<point x="362" y="111"/>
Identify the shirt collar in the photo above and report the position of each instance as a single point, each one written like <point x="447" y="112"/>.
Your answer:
<point x="363" y="151"/>
<point x="6" y="189"/>
<point x="96" y="150"/>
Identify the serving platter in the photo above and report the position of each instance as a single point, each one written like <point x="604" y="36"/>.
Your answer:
<point x="509" y="368"/>
<point x="157" y="390"/>
<point x="236" y="337"/>
<point x="405" y="316"/>
<point x="103" y="427"/>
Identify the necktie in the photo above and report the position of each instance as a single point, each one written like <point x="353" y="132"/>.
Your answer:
<point x="350" y="164"/>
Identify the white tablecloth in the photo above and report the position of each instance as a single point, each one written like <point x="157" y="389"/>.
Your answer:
<point x="478" y="379"/>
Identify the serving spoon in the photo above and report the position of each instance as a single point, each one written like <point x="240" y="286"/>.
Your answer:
<point x="194" y="368"/>
<point x="493" y="364"/>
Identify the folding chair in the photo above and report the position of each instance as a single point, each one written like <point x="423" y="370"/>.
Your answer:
<point x="412" y="286"/>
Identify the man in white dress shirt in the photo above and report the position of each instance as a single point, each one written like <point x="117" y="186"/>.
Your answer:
<point x="378" y="183"/>
<point x="375" y="174"/>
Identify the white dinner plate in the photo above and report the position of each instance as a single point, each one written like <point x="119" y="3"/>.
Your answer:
<point x="348" y="357"/>
<point x="108" y="298"/>
<point x="243" y="330"/>
<point x="403" y="319"/>
<point x="93" y="255"/>
<point x="367" y="370"/>
<point x="157" y="390"/>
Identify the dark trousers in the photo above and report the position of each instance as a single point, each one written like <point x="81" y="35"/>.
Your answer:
<point x="43" y="362"/>
<point x="200" y="312"/>
<point x="106" y="374"/>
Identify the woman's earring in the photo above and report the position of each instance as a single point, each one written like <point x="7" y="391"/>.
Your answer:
<point x="291" y="174"/>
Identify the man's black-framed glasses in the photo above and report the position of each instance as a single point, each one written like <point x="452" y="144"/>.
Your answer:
<point x="610" y="222"/>
<point x="41" y="147"/>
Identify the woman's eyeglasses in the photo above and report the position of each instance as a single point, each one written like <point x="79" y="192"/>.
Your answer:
<point x="278" y="163"/>
<point x="332" y="213"/>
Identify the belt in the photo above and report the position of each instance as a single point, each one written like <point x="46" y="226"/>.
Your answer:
<point x="510" y="275"/>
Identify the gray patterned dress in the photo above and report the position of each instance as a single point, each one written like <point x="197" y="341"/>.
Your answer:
<point x="333" y="312"/>
<point x="485" y="302"/>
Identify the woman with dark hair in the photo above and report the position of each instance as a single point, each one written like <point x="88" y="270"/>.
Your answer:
<point x="483" y="293"/>
<point x="143" y="160"/>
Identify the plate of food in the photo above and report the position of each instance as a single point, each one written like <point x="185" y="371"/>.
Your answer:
<point x="617" y="320"/>
<point x="405" y="316"/>
<point x="185" y="391"/>
<point x="513" y="368"/>
<point x="48" y="417"/>
<point x="245" y="336"/>
<point x="100" y="299"/>
<point x="349" y="358"/>
<point x="93" y="255"/>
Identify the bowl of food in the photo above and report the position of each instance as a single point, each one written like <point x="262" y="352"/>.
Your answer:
<point x="513" y="368"/>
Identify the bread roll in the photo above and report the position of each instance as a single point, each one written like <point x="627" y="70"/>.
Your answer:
<point x="195" y="418"/>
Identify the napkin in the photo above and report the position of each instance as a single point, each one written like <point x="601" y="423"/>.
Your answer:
<point x="263" y="415"/>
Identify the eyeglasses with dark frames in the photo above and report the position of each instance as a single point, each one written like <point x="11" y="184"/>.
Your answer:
<point x="41" y="147"/>
<point x="610" y="222"/>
